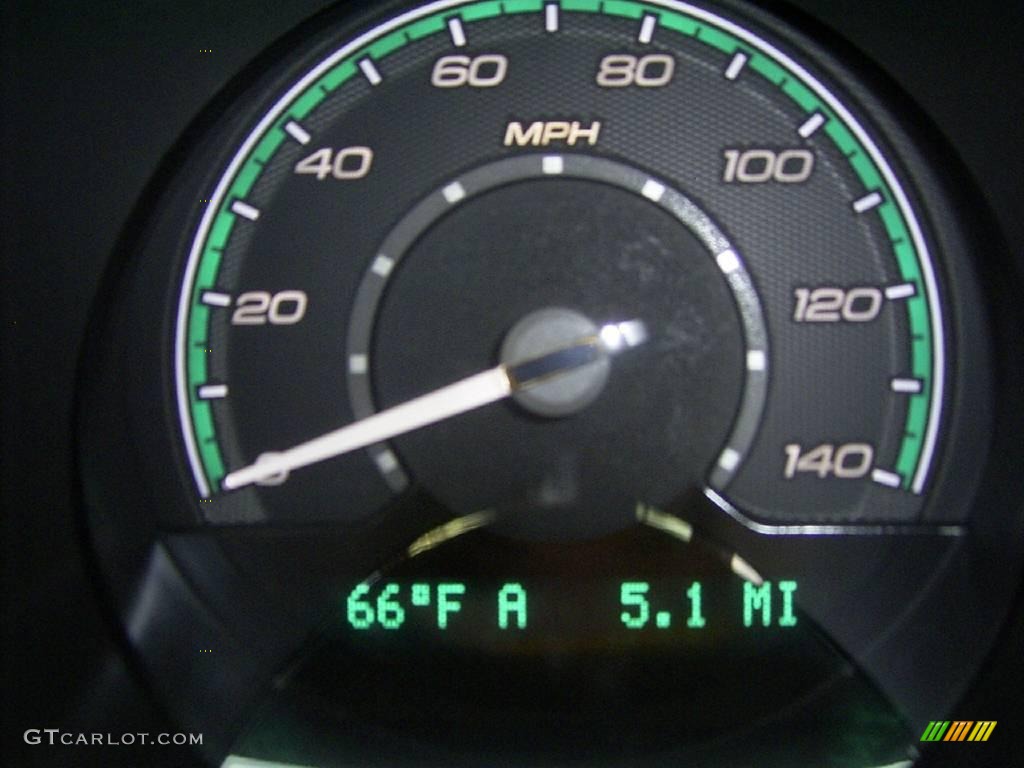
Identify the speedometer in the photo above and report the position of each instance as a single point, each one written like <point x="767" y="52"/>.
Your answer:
<point x="538" y="380"/>
<point x="611" y="198"/>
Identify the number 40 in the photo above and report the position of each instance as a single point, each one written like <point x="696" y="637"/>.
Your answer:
<point x="343" y="165"/>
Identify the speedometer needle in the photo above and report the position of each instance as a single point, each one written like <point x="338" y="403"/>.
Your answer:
<point x="464" y="395"/>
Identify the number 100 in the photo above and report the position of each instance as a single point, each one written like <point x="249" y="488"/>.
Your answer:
<point x="758" y="166"/>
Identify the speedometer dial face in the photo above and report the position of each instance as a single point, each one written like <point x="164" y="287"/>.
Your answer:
<point x="619" y="161"/>
<point x="555" y="379"/>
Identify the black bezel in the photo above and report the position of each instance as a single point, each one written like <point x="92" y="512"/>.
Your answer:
<point x="118" y="508"/>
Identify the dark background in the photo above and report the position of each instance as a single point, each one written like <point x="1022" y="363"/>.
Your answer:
<point x="94" y="94"/>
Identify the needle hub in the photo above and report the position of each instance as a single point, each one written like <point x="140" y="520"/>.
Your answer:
<point x="558" y="359"/>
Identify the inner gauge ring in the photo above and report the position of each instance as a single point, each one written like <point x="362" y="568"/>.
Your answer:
<point x="572" y="166"/>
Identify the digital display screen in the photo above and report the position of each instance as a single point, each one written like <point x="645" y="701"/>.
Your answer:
<point x="539" y="607"/>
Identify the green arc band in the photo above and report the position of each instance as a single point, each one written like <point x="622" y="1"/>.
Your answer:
<point x="927" y="359"/>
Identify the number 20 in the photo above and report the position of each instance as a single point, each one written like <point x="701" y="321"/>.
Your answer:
<point x="261" y="308"/>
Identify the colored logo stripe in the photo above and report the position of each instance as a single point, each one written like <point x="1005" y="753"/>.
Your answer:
<point x="982" y="730"/>
<point x="958" y="730"/>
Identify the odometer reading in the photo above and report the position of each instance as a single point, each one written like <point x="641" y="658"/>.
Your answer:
<point x="475" y="610"/>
